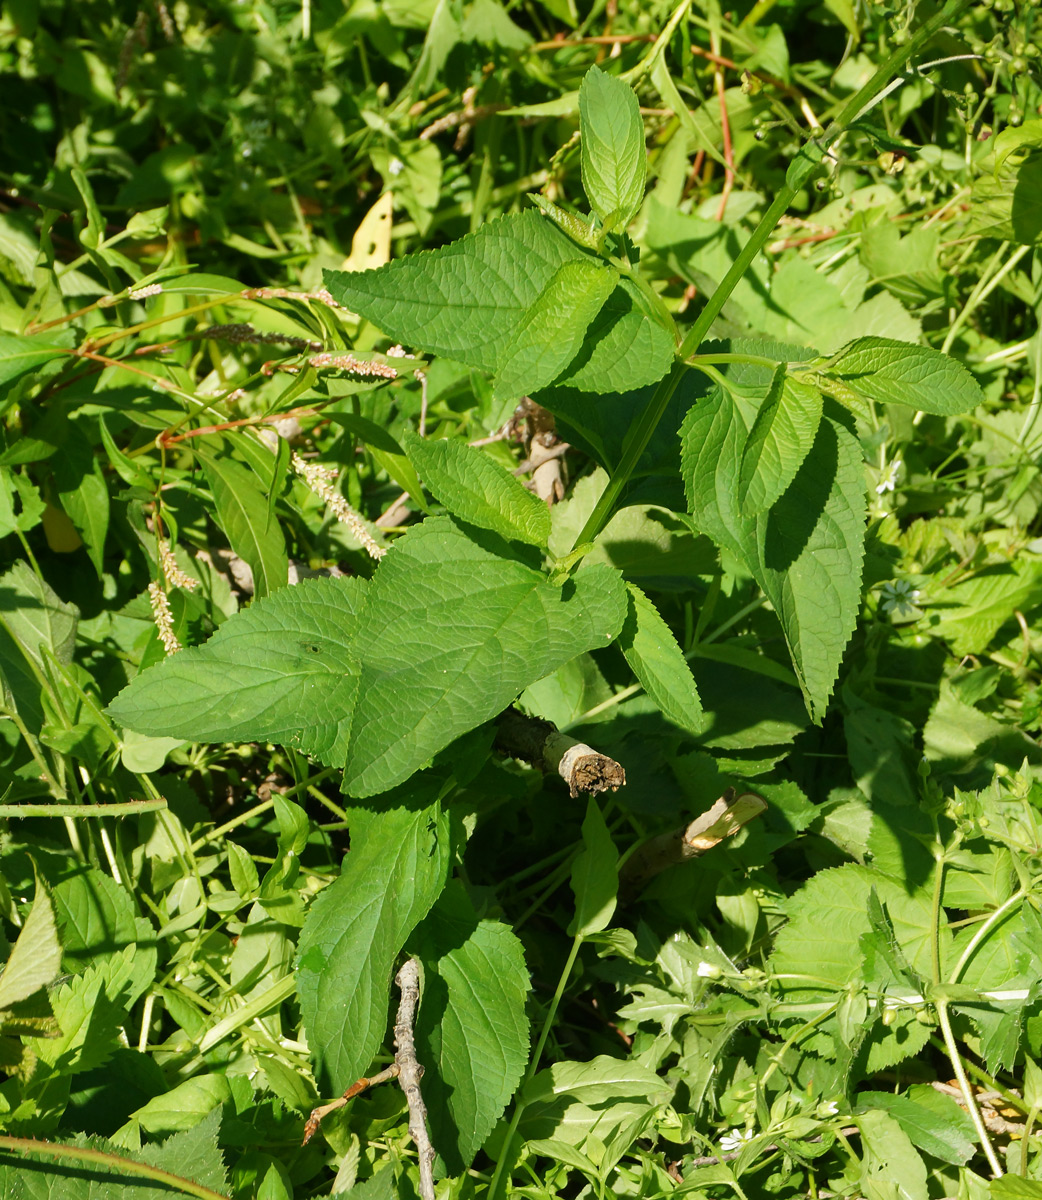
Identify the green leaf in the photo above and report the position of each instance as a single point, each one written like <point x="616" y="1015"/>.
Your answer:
<point x="892" y="372"/>
<point x="467" y="300"/>
<point x="84" y="495"/>
<point x="780" y="439"/>
<point x="450" y="635"/>
<point x="1016" y="1187"/>
<point x="595" y="876"/>
<point x="808" y="557"/>
<point x="35" y="958"/>
<point x="933" y="1122"/>
<point x="472" y="1030"/>
<point x="805" y="552"/>
<point x="891" y="1168"/>
<point x="1007" y="204"/>
<point x="614" y="158"/>
<point x="280" y="669"/>
<point x="475" y="488"/>
<point x="185" y="1105"/>
<point x="657" y="661"/>
<point x="97" y="920"/>
<point x="378" y="680"/>
<point x="355" y="930"/>
<point x="19" y="355"/>
<point x="385" y="451"/>
<point x="252" y="531"/>
<point x="553" y="329"/>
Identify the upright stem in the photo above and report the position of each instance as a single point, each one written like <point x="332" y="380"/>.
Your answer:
<point x="801" y="170"/>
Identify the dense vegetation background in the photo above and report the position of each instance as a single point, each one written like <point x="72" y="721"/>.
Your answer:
<point x="203" y="404"/>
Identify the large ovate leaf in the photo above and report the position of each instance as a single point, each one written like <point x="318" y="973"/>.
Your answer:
<point x="779" y="441"/>
<point x="472" y="1029"/>
<point x="551" y="332"/>
<point x="614" y="160"/>
<point x="468" y="300"/>
<point x="891" y="1168"/>
<point x="657" y="661"/>
<point x="281" y="670"/>
<point x="476" y="489"/>
<point x="899" y="373"/>
<point x="450" y="635"/>
<point x="355" y="930"/>
<point x="378" y="679"/>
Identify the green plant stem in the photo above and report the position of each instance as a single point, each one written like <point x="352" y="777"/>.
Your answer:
<point x="801" y="170"/>
<point x="983" y="932"/>
<point x="985" y="286"/>
<point x="111" y="1162"/>
<point x="967" y="1092"/>
<point x="128" y="808"/>
<point x="505" y="1163"/>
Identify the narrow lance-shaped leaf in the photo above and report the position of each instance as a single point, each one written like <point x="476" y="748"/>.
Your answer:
<point x="614" y="159"/>
<point x="657" y="661"/>
<point x="20" y="355"/>
<point x="595" y="876"/>
<point x="900" y="373"/>
<point x="355" y="930"/>
<point x="252" y="531"/>
<point x="478" y="490"/>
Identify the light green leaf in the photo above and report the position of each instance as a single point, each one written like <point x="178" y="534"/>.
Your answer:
<point x="97" y="921"/>
<point x="971" y="612"/>
<point x="19" y="355"/>
<point x="450" y="635"/>
<point x="595" y="876"/>
<point x="185" y="1105"/>
<point x="475" y="488"/>
<point x="467" y="300"/>
<point x="472" y="1030"/>
<point x="280" y="670"/>
<point x="1007" y="204"/>
<point x="891" y="1168"/>
<point x="35" y="958"/>
<point x="553" y="329"/>
<point x="355" y="930"/>
<point x="892" y="372"/>
<point x="34" y="615"/>
<point x="252" y="532"/>
<point x="657" y="661"/>
<point x="933" y="1122"/>
<point x="778" y="443"/>
<point x="1016" y="1187"/>
<point x="192" y="1153"/>
<point x="614" y="158"/>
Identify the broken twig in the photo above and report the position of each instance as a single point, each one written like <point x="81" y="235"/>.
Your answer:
<point x="410" y="1073"/>
<point x="535" y="741"/>
<point x="724" y="819"/>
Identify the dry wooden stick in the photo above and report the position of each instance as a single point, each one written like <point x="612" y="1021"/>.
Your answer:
<point x="725" y="818"/>
<point x="356" y="1089"/>
<point x="410" y="1072"/>
<point x="535" y="741"/>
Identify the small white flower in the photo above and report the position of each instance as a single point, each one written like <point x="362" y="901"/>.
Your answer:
<point x="708" y="971"/>
<point x="889" y="479"/>
<point x="396" y="166"/>
<point x="899" y="598"/>
<point x="735" y="1139"/>
<point x="828" y="1109"/>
